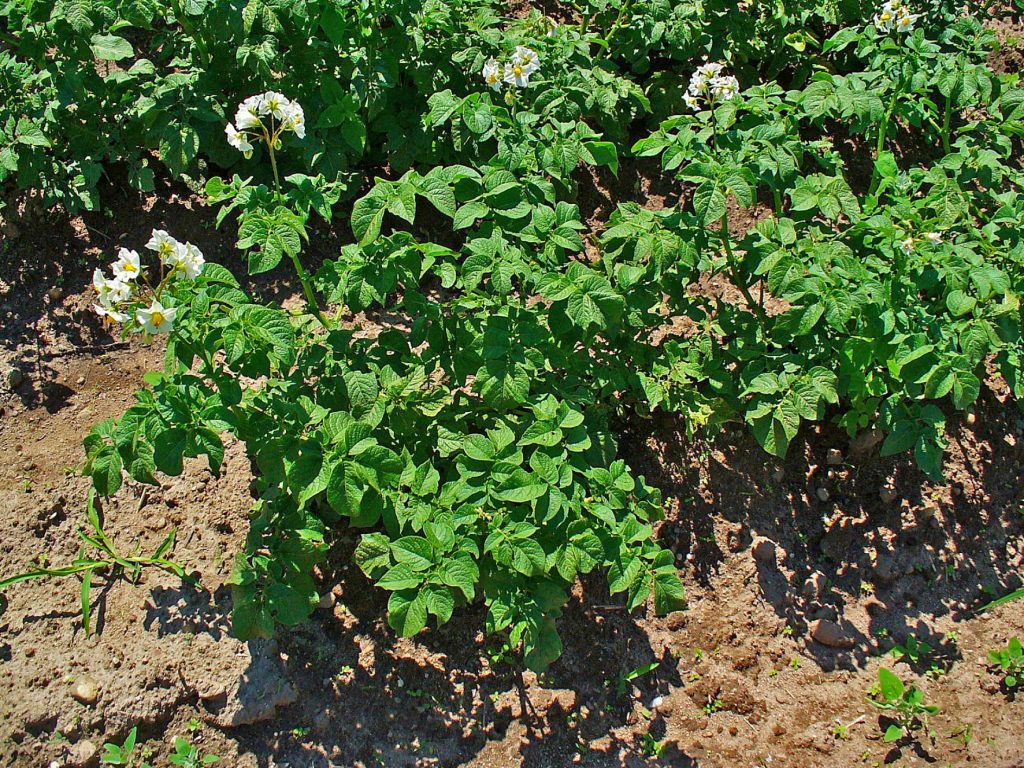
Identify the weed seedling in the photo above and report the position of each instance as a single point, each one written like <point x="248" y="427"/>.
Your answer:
<point x="187" y="756"/>
<point x="906" y="703"/>
<point x="109" y="562"/>
<point x="1009" y="662"/>
<point x="624" y="679"/>
<point x="114" y="754"/>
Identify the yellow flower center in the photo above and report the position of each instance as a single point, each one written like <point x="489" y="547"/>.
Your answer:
<point x="157" y="318"/>
<point x="518" y="70"/>
<point x="129" y="267"/>
<point x="886" y="16"/>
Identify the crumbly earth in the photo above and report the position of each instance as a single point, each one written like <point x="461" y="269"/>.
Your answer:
<point x="801" y="577"/>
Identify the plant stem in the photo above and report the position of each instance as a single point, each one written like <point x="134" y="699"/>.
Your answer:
<point x="730" y="259"/>
<point x="626" y="6"/>
<point x="307" y="289"/>
<point x="946" y="116"/>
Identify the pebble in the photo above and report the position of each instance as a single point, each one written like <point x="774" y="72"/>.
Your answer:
<point x="327" y="601"/>
<point x="764" y="551"/>
<point x="831" y="634"/>
<point x="815" y="585"/>
<point x="835" y="457"/>
<point x="779" y="475"/>
<point x="971" y="417"/>
<point x="55" y="294"/>
<point x="822" y="494"/>
<point x="656" y="702"/>
<point x="156" y="523"/>
<point x="80" y="380"/>
<point x="85" y="690"/>
<point x="82" y="753"/>
<point x="15" y="378"/>
<point x="887" y="495"/>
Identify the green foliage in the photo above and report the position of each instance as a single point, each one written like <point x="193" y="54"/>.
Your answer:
<point x="905" y="703"/>
<point x="1009" y="662"/>
<point x="470" y="442"/>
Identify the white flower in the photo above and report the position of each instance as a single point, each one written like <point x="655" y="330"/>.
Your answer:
<point x="691" y="101"/>
<point x="294" y="119"/>
<point x="156" y="318"/>
<point x="905" y="20"/>
<point x="238" y="140"/>
<point x="248" y="113"/>
<point x="907" y="246"/>
<point x="894" y="15"/>
<point x="127" y="267"/>
<point x="275" y="104"/>
<point x="526" y="59"/>
<point x="707" y="71"/>
<point x="885" y="18"/>
<point x="191" y="261"/>
<point x="516" y="75"/>
<point x="725" y="87"/>
<point x="935" y="238"/>
<point x="492" y="74"/>
<point x="110" y="291"/>
<point x="109" y="313"/>
<point x="163" y="244"/>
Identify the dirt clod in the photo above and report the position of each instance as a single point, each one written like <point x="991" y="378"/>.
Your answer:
<point x="830" y="633"/>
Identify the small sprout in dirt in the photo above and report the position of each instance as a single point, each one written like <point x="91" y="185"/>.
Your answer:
<point x="906" y="703"/>
<point x="1009" y="663"/>
<point x="698" y="654"/>
<point x="301" y="731"/>
<point x="110" y="562"/>
<point x="795" y="663"/>
<point x="914" y="652"/>
<point x="841" y="730"/>
<point x="581" y="747"/>
<point x="787" y="631"/>
<point x="964" y="734"/>
<point x="193" y="725"/>
<point x="114" y="754"/>
<point x="713" y="705"/>
<point x="652" y="747"/>
<point x="624" y="679"/>
<point x="187" y="756"/>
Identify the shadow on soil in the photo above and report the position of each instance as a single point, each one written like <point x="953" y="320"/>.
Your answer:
<point x="867" y="525"/>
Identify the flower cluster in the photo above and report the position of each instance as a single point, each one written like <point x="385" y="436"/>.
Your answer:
<point x="895" y="15"/>
<point x="515" y="72"/>
<point x="710" y="85"/>
<point x="129" y="285"/>
<point x="907" y="245"/>
<point x="264" y="117"/>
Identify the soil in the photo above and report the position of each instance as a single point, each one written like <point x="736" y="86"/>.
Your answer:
<point x="801" y="577"/>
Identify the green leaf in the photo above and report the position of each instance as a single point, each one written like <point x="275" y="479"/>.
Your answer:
<point x="890" y="685"/>
<point x="414" y="551"/>
<point x="893" y="733"/>
<point x="407" y="612"/>
<point x="111" y="47"/>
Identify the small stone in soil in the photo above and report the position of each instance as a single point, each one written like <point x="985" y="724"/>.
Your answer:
<point x="15" y="378"/>
<point x="85" y="690"/>
<point x="887" y="495"/>
<point x="835" y="457"/>
<point x="822" y="494"/>
<point x="831" y="634"/>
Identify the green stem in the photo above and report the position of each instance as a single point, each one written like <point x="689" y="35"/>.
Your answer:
<point x="626" y="7"/>
<point x="311" y="303"/>
<point x="730" y="259"/>
<point x="946" y="117"/>
<point x="883" y="133"/>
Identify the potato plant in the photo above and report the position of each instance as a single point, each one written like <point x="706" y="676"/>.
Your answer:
<point x="851" y="175"/>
